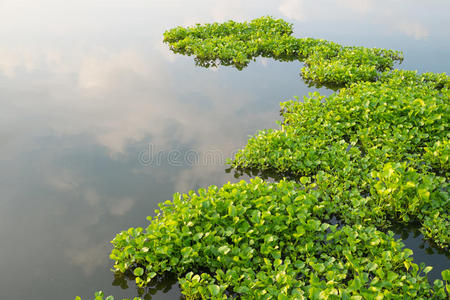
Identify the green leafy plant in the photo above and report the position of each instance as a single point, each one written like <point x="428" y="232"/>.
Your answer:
<point x="236" y="44"/>
<point x="262" y="240"/>
<point x="374" y="153"/>
<point x="101" y="296"/>
<point x="383" y="147"/>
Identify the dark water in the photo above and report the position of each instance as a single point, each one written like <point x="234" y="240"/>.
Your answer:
<point x="424" y="252"/>
<point x="89" y="95"/>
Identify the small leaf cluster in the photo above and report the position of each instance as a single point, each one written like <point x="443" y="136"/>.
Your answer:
<point x="101" y="296"/>
<point x="236" y="44"/>
<point x="342" y="65"/>
<point x="437" y="156"/>
<point x="229" y="43"/>
<point x="261" y="240"/>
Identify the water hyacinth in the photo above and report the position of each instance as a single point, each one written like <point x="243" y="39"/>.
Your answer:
<point x="262" y="240"/>
<point x="237" y="44"/>
<point x="375" y="152"/>
<point x="101" y="296"/>
<point x="383" y="147"/>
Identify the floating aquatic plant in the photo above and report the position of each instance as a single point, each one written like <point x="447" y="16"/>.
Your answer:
<point x="236" y="44"/>
<point x="262" y="240"/>
<point x="375" y="152"/>
<point x="382" y="147"/>
<point x="101" y="296"/>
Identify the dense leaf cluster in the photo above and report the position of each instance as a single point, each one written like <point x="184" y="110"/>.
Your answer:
<point x="237" y="44"/>
<point x="381" y="149"/>
<point x="262" y="240"/>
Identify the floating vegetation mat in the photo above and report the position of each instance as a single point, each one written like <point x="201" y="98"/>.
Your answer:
<point x="236" y="44"/>
<point x="373" y="153"/>
<point x="378" y="150"/>
<point x="262" y="240"/>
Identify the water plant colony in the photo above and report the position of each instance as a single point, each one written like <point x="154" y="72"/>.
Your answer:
<point x="374" y="153"/>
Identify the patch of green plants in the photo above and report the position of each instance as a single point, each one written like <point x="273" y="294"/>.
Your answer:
<point x="437" y="155"/>
<point x="261" y="240"/>
<point x="382" y="145"/>
<point x="101" y="296"/>
<point x="372" y="154"/>
<point x="236" y="44"/>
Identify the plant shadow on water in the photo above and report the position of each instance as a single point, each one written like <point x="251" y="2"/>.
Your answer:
<point x="159" y="284"/>
<point x="268" y="175"/>
<point x="209" y="63"/>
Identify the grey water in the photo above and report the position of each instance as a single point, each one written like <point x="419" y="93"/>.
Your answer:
<point x="100" y="122"/>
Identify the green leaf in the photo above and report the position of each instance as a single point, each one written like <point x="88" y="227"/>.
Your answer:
<point x="214" y="289"/>
<point x="224" y="250"/>
<point x="446" y="275"/>
<point x="138" y="272"/>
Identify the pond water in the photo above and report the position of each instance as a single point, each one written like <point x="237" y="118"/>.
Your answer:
<point x="100" y="122"/>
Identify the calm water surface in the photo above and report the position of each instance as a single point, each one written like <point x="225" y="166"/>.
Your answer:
<point x="100" y="122"/>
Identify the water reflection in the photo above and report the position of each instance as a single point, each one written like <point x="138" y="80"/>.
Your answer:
<point x="72" y="177"/>
<point x="86" y="86"/>
<point x="424" y="251"/>
<point x="166" y="284"/>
